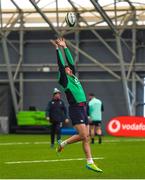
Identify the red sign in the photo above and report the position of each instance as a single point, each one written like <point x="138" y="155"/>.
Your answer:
<point x="127" y="126"/>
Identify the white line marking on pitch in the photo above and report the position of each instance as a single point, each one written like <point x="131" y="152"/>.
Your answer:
<point x="46" y="161"/>
<point x="46" y="142"/>
<point x="123" y="140"/>
<point x="23" y="143"/>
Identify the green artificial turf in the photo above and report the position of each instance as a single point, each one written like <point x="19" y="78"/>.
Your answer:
<point x="121" y="158"/>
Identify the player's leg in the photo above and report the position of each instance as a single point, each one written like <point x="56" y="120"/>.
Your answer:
<point x="52" y="134"/>
<point x="99" y="133"/>
<point x="92" y="133"/>
<point x="83" y="131"/>
<point x="58" y="132"/>
<point x="72" y="139"/>
<point x="84" y="135"/>
<point x="75" y="117"/>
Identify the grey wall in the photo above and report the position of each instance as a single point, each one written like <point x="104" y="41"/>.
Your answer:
<point x="111" y="93"/>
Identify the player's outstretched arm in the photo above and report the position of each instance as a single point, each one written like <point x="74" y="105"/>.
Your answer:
<point x="61" y="64"/>
<point x="61" y="42"/>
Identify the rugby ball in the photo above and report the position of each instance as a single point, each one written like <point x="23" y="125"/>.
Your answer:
<point x="70" y="19"/>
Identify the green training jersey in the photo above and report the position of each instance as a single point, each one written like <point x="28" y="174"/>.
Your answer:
<point x="71" y="85"/>
<point x="95" y="109"/>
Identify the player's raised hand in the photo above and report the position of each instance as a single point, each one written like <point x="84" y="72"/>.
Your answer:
<point x="61" y="42"/>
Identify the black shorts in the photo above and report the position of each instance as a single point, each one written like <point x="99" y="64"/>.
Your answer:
<point x="78" y="114"/>
<point x="96" y="123"/>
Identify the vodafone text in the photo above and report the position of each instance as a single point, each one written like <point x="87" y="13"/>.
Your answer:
<point x="133" y="127"/>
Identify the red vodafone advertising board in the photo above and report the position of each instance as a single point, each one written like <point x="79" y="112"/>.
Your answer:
<point x="129" y="126"/>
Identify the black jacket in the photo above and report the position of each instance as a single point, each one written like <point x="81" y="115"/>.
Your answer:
<point x="56" y="110"/>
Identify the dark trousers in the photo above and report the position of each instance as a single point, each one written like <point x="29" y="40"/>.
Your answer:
<point x="55" y="130"/>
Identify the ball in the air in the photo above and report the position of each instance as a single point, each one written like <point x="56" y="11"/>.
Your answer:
<point x="71" y="19"/>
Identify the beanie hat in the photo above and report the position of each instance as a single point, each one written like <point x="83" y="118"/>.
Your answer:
<point x="56" y="91"/>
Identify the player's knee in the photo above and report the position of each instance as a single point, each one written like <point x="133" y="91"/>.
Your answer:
<point x="85" y="137"/>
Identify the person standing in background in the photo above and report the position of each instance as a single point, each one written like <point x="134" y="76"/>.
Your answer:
<point x="95" y="108"/>
<point x="56" y="113"/>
